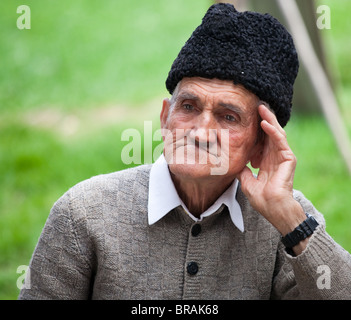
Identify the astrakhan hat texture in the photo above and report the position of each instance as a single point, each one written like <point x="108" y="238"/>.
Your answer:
<point x="249" y="48"/>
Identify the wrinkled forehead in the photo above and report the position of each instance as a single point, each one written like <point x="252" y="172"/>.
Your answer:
<point x="216" y="91"/>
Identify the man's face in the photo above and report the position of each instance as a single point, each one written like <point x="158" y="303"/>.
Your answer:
<point x="212" y="128"/>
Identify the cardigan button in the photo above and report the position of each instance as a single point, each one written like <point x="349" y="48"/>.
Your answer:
<point x="192" y="268"/>
<point x="195" y="230"/>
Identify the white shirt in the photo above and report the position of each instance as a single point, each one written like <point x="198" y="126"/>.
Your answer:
<point x="163" y="197"/>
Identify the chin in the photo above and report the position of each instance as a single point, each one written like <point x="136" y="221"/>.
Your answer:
<point x="191" y="171"/>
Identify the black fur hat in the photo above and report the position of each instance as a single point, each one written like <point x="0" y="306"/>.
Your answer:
<point x="249" y="48"/>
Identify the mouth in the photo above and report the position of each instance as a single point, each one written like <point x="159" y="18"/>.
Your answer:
<point x="195" y="151"/>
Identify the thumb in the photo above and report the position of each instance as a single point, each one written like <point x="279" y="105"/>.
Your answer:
<point x="246" y="179"/>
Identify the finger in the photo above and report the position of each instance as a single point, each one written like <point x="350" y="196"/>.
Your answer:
<point x="270" y="117"/>
<point x="277" y="137"/>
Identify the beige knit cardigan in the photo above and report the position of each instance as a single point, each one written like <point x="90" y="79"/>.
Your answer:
<point x="97" y="244"/>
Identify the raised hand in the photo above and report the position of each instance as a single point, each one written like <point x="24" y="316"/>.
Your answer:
<point x="271" y="192"/>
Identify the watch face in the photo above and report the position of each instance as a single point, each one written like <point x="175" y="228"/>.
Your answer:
<point x="300" y="234"/>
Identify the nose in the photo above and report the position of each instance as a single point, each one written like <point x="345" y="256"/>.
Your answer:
<point x="204" y="130"/>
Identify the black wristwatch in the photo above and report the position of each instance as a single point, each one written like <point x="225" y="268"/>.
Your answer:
<point x="301" y="232"/>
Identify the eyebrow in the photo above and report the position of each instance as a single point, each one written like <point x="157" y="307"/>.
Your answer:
<point x="194" y="97"/>
<point x="232" y="107"/>
<point x="187" y="96"/>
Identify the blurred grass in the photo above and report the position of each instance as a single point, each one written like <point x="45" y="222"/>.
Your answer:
<point x="83" y="56"/>
<point x="87" y="53"/>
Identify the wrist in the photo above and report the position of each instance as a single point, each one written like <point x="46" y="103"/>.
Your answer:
<point x="297" y="239"/>
<point x="289" y="215"/>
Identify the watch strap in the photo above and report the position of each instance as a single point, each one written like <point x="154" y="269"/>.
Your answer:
<point x="301" y="232"/>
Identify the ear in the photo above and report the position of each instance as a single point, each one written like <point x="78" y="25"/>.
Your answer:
<point x="164" y="113"/>
<point x="257" y="154"/>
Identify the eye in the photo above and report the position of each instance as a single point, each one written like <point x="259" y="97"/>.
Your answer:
<point x="230" y="118"/>
<point x="188" y="107"/>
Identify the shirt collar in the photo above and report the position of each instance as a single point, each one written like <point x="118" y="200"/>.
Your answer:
<point x="163" y="197"/>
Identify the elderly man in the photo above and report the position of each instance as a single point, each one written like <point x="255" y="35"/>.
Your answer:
<point x="197" y="224"/>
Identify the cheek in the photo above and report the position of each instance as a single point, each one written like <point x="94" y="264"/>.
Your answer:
<point x="177" y="121"/>
<point x="177" y="127"/>
<point x="231" y="141"/>
<point x="173" y="135"/>
<point x="237" y="146"/>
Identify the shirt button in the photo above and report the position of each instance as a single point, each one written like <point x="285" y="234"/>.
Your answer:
<point x="192" y="268"/>
<point x="195" y="230"/>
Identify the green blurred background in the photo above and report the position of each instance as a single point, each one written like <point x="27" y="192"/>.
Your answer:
<point x="87" y="70"/>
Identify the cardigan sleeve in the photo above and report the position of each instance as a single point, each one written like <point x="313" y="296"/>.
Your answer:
<point x="321" y="271"/>
<point x="59" y="267"/>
